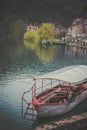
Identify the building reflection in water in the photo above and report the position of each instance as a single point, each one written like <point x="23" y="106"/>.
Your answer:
<point x="75" y="51"/>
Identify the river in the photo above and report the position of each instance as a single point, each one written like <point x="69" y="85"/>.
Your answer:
<point x="18" y="65"/>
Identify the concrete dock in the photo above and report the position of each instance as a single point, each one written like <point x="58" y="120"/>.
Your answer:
<point x="74" y="122"/>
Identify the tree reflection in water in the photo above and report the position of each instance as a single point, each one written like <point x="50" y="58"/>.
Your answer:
<point x="45" y="54"/>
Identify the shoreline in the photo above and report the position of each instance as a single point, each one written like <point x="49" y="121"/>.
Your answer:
<point x="74" y="122"/>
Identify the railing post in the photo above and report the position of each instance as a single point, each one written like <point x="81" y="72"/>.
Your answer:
<point x="59" y="82"/>
<point x="32" y="93"/>
<point x="22" y="108"/>
<point x="34" y="88"/>
<point x="51" y="83"/>
<point x="42" y="85"/>
<point x="46" y="95"/>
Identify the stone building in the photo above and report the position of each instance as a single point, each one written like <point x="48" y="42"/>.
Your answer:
<point x="85" y="23"/>
<point x="69" y="31"/>
<point x="78" y="29"/>
<point x="60" y="31"/>
<point x="31" y="27"/>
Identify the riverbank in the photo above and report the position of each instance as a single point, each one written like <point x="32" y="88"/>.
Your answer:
<point x="83" y="45"/>
<point x="74" y="122"/>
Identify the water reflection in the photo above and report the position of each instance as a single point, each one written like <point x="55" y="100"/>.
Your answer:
<point x="48" y="54"/>
<point x="45" y="54"/>
<point x="75" y="51"/>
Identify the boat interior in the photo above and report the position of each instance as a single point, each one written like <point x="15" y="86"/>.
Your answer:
<point x="62" y="94"/>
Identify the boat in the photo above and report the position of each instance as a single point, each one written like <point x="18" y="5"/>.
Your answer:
<point x="55" y="93"/>
<point x="55" y="42"/>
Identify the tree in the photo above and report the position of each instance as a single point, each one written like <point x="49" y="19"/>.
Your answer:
<point x="16" y="30"/>
<point x="46" y="31"/>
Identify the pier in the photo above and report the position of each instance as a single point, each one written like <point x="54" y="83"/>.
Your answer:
<point x="74" y="122"/>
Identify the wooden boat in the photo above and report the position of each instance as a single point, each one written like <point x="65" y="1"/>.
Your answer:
<point x="56" y="93"/>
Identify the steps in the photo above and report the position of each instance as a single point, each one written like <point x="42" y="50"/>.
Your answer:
<point x="30" y="113"/>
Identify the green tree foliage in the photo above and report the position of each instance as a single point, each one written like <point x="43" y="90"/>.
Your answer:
<point x="32" y="36"/>
<point x="11" y="29"/>
<point x="46" y="31"/>
<point x="16" y="30"/>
